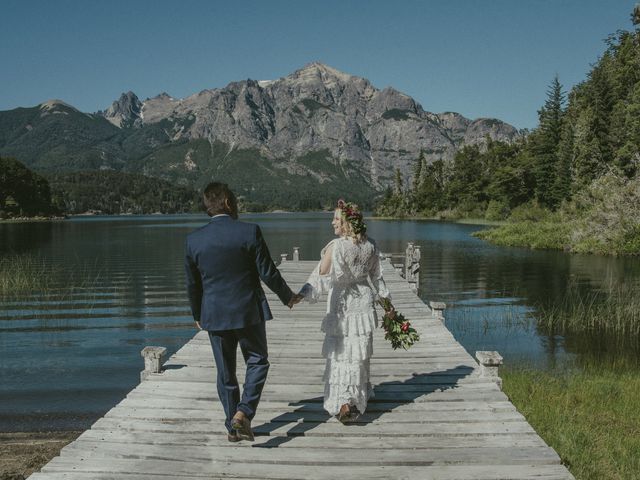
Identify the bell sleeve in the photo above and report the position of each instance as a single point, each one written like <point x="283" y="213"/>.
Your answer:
<point x="377" y="280"/>
<point x="318" y="284"/>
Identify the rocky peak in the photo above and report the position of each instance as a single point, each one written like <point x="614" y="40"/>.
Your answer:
<point x="317" y="70"/>
<point x="55" y="103"/>
<point x="125" y="111"/>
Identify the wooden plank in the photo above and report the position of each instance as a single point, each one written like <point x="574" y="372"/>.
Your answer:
<point x="330" y="427"/>
<point x="282" y="407"/>
<point x="354" y="470"/>
<point x="216" y="415"/>
<point x="508" y="441"/>
<point x="335" y="455"/>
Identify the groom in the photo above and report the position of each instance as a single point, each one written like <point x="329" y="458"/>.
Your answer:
<point x="224" y="263"/>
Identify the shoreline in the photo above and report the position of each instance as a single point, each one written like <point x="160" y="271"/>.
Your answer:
<point x="23" y="453"/>
<point x="462" y="221"/>
<point x="32" y="219"/>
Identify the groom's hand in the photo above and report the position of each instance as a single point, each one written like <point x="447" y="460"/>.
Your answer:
<point x="198" y="326"/>
<point x="297" y="298"/>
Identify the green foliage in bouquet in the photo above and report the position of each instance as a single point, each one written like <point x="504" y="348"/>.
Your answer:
<point x="397" y="329"/>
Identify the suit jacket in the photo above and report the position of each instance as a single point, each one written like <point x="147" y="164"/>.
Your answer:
<point x="224" y="263"/>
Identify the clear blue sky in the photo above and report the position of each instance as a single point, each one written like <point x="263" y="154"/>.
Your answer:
<point x="481" y="58"/>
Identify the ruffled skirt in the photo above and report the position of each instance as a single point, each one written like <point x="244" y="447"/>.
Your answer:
<point x="347" y="348"/>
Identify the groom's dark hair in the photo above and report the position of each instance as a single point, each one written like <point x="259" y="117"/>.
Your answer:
<point x="218" y="198"/>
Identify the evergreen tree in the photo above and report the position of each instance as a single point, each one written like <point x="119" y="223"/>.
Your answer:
<point x="562" y="185"/>
<point x="398" y="182"/>
<point x="466" y="189"/>
<point x="627" y="155"/>
<point x="432" y="196"/>
<point x="417" y="172"/>
<point x="601" y="100"/>
<point x="545" y="142"/>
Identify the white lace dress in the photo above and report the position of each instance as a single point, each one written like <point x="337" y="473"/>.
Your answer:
<point x="353" y="284"/>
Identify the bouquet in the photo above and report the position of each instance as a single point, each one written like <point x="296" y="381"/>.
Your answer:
<point x="397" y="329"/>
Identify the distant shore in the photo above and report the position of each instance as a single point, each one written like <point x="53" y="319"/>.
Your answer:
<point x="32" y="219"/>
<point x="464" y="221"/>
<point x="22" y="453"/>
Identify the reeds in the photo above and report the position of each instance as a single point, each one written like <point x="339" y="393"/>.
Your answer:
<point x="24" y="273"/>
<point x="614" y="314"/>
<point x="27" y="274"/>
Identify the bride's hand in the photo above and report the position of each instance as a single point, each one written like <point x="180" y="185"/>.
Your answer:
<point x="297" y="298"/>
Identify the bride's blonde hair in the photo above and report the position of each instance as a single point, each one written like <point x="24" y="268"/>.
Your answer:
<point x="351" y="223"/>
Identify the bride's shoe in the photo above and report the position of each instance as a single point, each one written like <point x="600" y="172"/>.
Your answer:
<point x="344" y="415"/>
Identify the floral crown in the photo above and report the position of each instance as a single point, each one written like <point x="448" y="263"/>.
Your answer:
<point x="352" y="214"/>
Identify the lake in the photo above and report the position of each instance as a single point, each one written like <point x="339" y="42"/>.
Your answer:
<point x="70" y="354"/>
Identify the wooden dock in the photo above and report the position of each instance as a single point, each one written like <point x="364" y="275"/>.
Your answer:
<point x="433" y="415"/>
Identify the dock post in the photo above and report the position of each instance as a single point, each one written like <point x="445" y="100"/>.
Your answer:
<point x="283" y="258"/>
<point x="437" y="308"/>
<point x="412" y="266"/>
<point x="490" y="362"/>
<point x="296" y="254"/>
<point x="152" y="361"/>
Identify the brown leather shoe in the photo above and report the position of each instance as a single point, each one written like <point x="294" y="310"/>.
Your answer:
<point x="242" y="425"/>
<point x="233" y="437"/>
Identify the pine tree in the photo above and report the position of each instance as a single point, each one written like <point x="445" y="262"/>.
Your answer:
<point x="545" y="142"/>
<point x="417" y="172"/>
<point x="433" y="187"/>
<point x="562" y="185"/>
<point x="627" y="157"/>
<point x="600" y="98"/>
<point x="398" y="182"/>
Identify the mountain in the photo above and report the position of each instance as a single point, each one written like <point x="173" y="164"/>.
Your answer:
<point x="315" y="131"/>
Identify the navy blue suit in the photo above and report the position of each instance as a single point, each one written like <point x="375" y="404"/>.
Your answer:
<point x="224" y="262"/>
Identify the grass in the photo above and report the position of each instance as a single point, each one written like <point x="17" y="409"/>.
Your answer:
<point x="23" y="273"/>
<point x="537" y="235"/>
<point x="591" y="416"/>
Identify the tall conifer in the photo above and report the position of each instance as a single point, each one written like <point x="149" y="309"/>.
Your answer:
<point x="417" y="172"/>
<point x="545" y="142"/>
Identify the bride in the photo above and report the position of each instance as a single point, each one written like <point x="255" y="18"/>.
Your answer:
<point x="350" y="272"/>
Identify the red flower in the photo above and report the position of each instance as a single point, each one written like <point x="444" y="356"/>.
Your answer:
<point x="405" y="327"/>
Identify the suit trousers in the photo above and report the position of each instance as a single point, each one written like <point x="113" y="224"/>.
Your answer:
<point x="253" y="344"/>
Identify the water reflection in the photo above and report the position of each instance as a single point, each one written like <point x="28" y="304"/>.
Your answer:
<point x="25" y="237"/>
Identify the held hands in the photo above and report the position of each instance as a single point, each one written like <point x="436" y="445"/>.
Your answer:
<point x="297" y="298"/>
